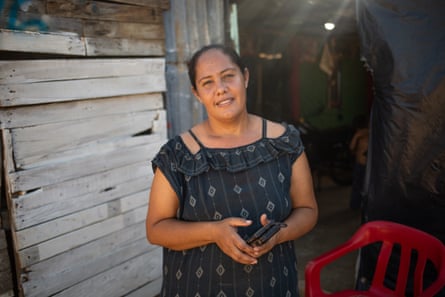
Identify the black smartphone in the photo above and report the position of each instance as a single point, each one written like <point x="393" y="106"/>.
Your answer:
<point x="265" y="233"/>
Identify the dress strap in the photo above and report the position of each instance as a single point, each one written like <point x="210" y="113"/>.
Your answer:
<point x="196" y="139"/>
<point x="264" y="128"/>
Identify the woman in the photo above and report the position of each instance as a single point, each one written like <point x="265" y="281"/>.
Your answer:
<point x="219" y="182"/>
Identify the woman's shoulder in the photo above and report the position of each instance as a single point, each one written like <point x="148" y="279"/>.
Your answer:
<point x="275" y="129"/>
<point x="189" y="141"/>
<point x="284" y="135"/>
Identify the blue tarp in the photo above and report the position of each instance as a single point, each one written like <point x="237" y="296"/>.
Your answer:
<point x="403" y="44"/>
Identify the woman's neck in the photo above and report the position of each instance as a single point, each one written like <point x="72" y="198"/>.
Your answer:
<point x="233" y="128"/>
<point x="244" y="131"/>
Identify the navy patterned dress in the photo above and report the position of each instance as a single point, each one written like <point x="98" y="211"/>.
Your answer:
<point x="214" y="184"/>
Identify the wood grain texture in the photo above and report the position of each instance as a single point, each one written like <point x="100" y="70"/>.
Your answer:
<point x="78" y="132"/>
<point x="35" y="115"/>
<point x="28" y="82"/>
<point x="78" y="172"/>
<point x="54" y="70"/>
<point x="81" y="263"/>
<point x="103" y="10"/>
<point x="39" y="42"/>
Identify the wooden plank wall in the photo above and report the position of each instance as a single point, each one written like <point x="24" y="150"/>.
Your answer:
<point x="78" y="130"/>
<point x="6" y="284"/>
<point x="78" y="176"/>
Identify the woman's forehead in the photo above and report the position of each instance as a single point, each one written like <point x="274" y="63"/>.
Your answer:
<point x="214" y="60"/>
<point x="214" y="55"/>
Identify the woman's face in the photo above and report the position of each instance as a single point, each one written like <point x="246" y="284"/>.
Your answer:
<point x="220" y="85"/>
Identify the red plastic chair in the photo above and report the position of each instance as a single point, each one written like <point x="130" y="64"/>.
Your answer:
<point x="389" y="234"/>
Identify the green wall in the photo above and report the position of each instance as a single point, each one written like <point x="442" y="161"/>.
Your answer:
<point x="314" y="94"/>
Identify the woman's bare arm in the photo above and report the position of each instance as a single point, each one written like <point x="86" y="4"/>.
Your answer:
<point x="164" y="229"/>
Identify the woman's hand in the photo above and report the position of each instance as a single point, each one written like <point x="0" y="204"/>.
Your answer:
<point x="228" y="240"/>
<point x="260" y="250"/>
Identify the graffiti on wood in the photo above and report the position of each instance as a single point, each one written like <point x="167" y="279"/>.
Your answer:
<point x="12" y="21"/>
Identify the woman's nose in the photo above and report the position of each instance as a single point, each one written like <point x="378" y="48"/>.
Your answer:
<point x="220" y="86"/>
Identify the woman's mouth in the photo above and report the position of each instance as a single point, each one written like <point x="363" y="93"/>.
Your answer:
<point x="224" y="102"/>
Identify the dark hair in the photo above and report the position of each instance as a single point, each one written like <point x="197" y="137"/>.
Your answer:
<point x="228" y="51"/>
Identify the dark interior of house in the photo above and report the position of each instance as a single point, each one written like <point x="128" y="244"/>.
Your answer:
<point x="304" y="74"/>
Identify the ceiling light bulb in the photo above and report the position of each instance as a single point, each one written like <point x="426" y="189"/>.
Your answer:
<point x="329" y="26"/>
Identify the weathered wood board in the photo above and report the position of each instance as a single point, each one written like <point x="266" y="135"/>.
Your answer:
<point x="114" y="47"/>
<point x="68" y="241"/>
<point x="15" y="117"/>
<point x="32" y="144"/>
<point x="75" y="221"/>
<point x="36" y="93"/>
<point x="25" y="71"/>
<point x="6" y="276"/>
<point x="125" y="30"/>
<point x="33" y="179"/>
<point x="132" y="274"/>
<point x="108" y="77"/>
<point x="103" y="10"/>
<point x="40" y="42"/>
<point x="65" y="198"/>
<point x="86" y="261"/>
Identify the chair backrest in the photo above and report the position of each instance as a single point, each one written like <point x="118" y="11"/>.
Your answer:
<point x="389" y="234"/>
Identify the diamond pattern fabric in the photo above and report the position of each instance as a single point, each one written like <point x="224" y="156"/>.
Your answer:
<point x="214" y="184"/>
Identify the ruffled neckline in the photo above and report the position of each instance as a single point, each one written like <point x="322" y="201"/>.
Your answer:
<point x="233" y="159"/>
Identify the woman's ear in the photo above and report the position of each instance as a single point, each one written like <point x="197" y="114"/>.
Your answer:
<point x="246" y="77"/>
<point x="196" y="94"/>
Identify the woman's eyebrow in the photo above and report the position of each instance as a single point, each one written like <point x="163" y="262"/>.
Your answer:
<point x="228" y="69"/>
<point x="221" y="72"/>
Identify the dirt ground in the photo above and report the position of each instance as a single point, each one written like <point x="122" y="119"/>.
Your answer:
<point x="335" y="225"/>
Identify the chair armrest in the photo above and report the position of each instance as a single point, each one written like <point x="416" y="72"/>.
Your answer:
<point x="314" y="267"/>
